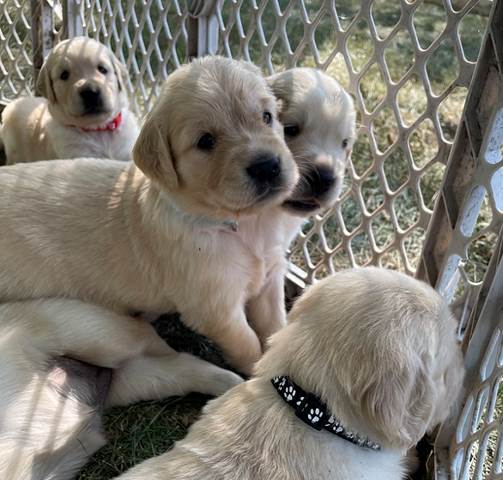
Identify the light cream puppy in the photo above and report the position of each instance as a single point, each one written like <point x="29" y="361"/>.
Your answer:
<point x="319" y="120"/>
<point x="49" y="414"/>
<point x="159" y="235"/>
<point x="377" y="352"/>
<point x="84" y="113"/>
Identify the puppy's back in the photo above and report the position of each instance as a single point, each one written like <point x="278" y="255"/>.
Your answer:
<point x="60" y="220"/>
<point x="24" y="127"/>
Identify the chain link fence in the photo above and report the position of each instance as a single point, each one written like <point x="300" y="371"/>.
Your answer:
<point x="412" y="182"/>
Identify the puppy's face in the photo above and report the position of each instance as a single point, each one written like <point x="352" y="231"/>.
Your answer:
<point x="379" y="347"/>
<point x="213" y="141"/>
<point x="84" y="83"/>
<point x="319" y="124"/>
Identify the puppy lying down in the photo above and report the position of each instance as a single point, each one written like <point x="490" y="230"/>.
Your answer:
<point x="367" y="365"/>
<point x="85" y="112"/>
<point x="50" y="404"/>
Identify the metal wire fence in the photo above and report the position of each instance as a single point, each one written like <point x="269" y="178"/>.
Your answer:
<point x="408" y="64"/>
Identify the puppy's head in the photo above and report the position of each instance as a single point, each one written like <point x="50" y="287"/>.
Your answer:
<point x="319" y="124"/>
<point x="213" y="142"/>
<point x="380" y="349"/>
<point x="84" y="83"/>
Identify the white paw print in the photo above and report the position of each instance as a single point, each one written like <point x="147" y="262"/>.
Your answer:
<point x="290" y="393"/>
<point x="314" y="415"/>
<point x="300" y="401"/>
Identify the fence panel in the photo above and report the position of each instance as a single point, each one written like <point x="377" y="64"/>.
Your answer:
<point x="409" y="64"/>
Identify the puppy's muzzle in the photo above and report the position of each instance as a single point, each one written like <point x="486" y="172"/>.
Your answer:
<point x="265" y="171"/>
<point x="321" y="181"/>
<point x="317" y="190"/>
<point x="92" y="99"/>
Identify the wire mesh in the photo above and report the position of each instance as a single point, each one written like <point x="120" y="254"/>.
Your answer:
<point x="149" y="37"/>
<point x="15" y="49"/>
<point x="408" y="64"/>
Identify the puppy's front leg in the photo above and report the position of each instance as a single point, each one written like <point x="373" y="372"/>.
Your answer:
<point x="228" y="327"/>
<point x="266" y="312"/>
<point x="157" y="377"/>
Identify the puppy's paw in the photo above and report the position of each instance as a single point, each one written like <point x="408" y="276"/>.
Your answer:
<point x="224" y="380"/>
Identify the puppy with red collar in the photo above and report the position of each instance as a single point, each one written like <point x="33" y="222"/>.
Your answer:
<point x="85" y="112"/>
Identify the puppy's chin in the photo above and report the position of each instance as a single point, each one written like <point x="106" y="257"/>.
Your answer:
<point x="82" y="119"/>
<point x="307" y="206"/>
<point x="302" y="208"/>
<point x="216" y="207"/>
<point x="270" y="198"/>
<point x="94" y="118"/>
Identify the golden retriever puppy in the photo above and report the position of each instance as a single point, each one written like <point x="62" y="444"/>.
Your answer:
<point x="160" y="234"/>
<point x="319" y="122"/>
<point x="367" y="364"/>
<point x="84" y="113"/>
<point x="319" y="119"/>
<point x="50" y="406"/>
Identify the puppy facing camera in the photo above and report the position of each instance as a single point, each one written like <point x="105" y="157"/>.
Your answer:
<point x="159" y="235"/>
<point x="367" y="365"/>
<point x="319" y="119"/>
<point x="214" y="133"/>
<point x="83" y="110"/>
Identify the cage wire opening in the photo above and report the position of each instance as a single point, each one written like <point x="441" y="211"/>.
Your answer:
<point x="413" y="185"/>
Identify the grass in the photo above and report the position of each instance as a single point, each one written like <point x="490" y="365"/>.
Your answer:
<point x="141" y="431"/>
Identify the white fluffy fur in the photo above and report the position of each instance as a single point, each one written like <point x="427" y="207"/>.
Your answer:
<point x="377" y="346"/>
<point x="325" y="115"/>
<point x="152" y="238"/>
<point x="49" y="128"/>
<point x="47" y="433"/>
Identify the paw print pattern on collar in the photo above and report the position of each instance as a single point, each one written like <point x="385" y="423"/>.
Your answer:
<point x="311" y="410"/>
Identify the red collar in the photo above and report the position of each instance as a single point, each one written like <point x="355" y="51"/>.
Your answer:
<point x="113" y="124"/>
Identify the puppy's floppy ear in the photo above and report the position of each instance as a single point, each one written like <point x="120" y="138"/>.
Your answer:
<point x="398" y="397"/>
<point x="281" y="100"/>
<point x="44" y="85"/>
<point x="153" y="156"/>
<point x="120" y="71"/>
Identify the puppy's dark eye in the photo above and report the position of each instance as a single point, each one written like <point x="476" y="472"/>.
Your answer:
<point x="267" y="117"/>
<point x="102" y="69"/>
<point x="345" y="143"/>
<point x="291" y="130"/>
<point x="206" y="142"/>
<point x="64" y="75"/>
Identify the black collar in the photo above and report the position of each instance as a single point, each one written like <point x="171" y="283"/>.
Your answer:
<point x="311" y="410"/>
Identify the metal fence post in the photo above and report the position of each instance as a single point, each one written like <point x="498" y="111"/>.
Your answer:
<point x="202" y="28"/>
<point x="42" y="33"/>
<point x="72" y="20"/>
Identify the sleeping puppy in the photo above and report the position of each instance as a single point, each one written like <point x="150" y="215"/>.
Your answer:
<point x="336" y="396"/>
<point x="163" y="233"/>
<point x="84" y="113"/>
<point x="319" y="119"/>
<point x="50" y="406"/>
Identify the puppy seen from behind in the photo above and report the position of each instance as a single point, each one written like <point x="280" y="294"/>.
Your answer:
<point x="367" y="365"/>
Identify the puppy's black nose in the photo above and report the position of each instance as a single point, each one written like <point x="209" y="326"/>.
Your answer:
<point x="265" y="169"/>
<point x="322" y="180"/>
<point x="91" y="97"/>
